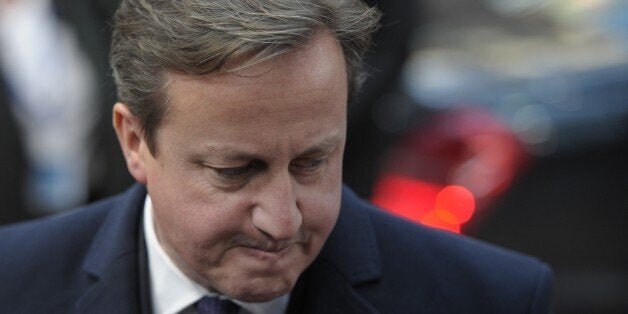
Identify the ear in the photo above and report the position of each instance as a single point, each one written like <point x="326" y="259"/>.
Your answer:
<point x="130" y="136"/>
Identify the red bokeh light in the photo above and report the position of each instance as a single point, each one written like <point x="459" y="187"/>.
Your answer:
<point x="441" y="219"/>
<point x="404" y="196"/>
<point x="455" y="164"/>
<point x="441" y="207"/>
<point x="456" y="200"/>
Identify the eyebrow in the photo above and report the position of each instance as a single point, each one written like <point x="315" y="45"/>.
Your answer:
<point x="229" y="154"/>
<point x="327" y="145"/>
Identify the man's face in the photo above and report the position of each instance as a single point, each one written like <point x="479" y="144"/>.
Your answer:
<point x="247" y="179"/>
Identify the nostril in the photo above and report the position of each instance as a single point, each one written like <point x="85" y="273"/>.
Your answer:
<point x="278" y="224"/>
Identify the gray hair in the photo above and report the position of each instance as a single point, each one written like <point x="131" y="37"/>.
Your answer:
<point x="196" y="37"/>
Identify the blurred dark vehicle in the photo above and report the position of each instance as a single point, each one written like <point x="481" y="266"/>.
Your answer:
<point x="523" y="105"/>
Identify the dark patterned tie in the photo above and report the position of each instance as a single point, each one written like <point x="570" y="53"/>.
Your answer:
<point x="214" y="305"/>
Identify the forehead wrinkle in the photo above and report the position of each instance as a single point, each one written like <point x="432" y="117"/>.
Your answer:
<point x="229" y="153"/>
<point x="223" y="88"/>
<point x="262" y="84"/>
<point x="271" y="99"/>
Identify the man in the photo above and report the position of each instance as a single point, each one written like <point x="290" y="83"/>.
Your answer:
<point x="232" y="118"/>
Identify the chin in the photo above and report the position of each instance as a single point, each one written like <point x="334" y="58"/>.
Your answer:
<point x="260" y="290"/>
<point x="259" y="278"/>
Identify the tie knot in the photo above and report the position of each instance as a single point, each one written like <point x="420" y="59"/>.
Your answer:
<point x="214" y="305"/>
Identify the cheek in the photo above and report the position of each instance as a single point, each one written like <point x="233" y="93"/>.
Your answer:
<point x="319" y="219"/>
<point x="199" y="232"/>
<point x="189" y="214"/>
<point x="194" y="216"/>
<point x="320" y="208"/>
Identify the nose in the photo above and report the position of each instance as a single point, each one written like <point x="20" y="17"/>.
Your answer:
<point x="276" y="214"/>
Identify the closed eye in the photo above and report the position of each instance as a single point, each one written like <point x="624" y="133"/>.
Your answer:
<point x="238" y="173"/>
<point x="307" y="166"/>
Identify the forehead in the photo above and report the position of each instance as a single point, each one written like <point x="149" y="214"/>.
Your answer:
<point x="287" y="93"/>
<point x="319" y="65"/>
<point x="311" y="65"/>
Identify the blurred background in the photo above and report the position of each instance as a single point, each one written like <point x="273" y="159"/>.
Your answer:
<point x="505" y="120"/>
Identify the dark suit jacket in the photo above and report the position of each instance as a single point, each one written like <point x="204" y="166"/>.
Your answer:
<point x="92" y="260"/>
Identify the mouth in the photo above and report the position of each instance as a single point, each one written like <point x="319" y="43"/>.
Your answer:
<point x="267" y="251"/>
<point x="271" y="248"/>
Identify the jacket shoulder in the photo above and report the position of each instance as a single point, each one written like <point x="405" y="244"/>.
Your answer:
<point x="454" y="272"/>
<point x="54" y="233"/>
<point x="44" y="256"/>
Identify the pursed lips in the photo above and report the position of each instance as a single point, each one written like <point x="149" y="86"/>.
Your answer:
<point x="269" y="247"/>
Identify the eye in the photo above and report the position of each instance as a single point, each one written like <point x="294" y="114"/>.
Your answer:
<point x="308" y="165"/>
<point x="238" y="173"/>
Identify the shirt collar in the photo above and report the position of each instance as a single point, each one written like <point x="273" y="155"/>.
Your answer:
<point x="172" y="291"/>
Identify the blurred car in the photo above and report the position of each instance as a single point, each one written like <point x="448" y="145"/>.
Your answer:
<point x="510" y="124"/>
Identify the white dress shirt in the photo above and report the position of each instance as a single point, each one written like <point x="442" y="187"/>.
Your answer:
<point x="173" y="292"/>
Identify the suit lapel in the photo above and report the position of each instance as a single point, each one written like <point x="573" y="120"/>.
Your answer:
<point x="322" y="289"/>
<point x="349" y="259"/>
<point x="112" y="263"/>
<point x="115" y="291"/>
